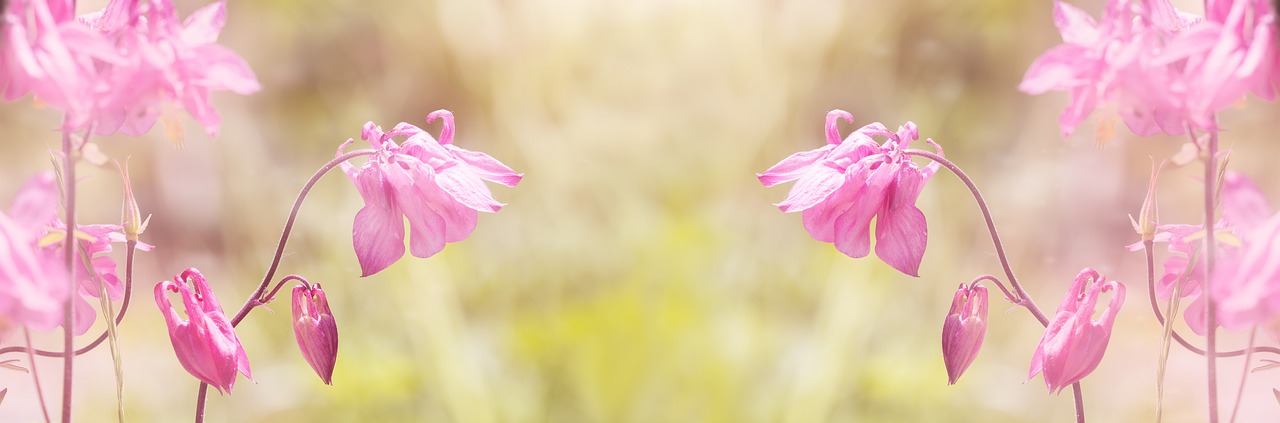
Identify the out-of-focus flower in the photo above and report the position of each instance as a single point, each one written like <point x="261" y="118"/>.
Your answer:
<point x="1161" y="69"/>
<point x="437" y="186"/>
<point x="315" y="330"/>
<point x="1073" y="343"/>
<point x="843" y="185"/>
<point x="205" y="343"/>
<point x="96" y="243"/>
<point x="33" y="280"/>
<point x="169" y="62"/>
<point x="1246" y="284"/>
<point x="964" y="329"/>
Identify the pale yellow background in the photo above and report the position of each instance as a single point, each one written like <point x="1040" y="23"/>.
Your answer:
<point x="639" y="272"/>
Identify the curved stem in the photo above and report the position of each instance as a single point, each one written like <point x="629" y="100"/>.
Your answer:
<point x="1155" y="308"/>
<point x="35" y="376"/>
<point x="1007" y="295"/>
<point x="288" y="227"/>
<point x="272" y="296"/>
<point x="254" y="299"/>
<point x="1211" y="306"/>
<point x="1023" y="299"/>
<point x="124" y="307"/>
<point x="68" y="249"/>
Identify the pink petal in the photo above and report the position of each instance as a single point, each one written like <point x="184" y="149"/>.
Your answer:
<point x="1242" y="202"/>
<point x="467" y="188"/>
<point x="486" y="167"/>
<point x="1076" y="26"/>
<point x="901" y="232"/>
<point x="1060" y="68"/>
<point x="815" y="185"/>
<point x="426" y="228"/>
<point x="203" y="25"/>
<point x="378" y="232"/>
<point x="793" y="167"/>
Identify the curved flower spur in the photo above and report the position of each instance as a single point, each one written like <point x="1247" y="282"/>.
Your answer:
<point x="843" y="185"/>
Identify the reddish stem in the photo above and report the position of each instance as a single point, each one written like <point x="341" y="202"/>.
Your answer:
<point x="35" y="376"/>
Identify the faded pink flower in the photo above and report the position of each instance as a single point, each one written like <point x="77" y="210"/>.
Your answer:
<point x="1246" y="284"/>
<point x="103" y="269"/>
<point x="964" y="329"/>
<point x="437" y="186"/>
<point x="1160" y="68"/>
<point x="315" y="330"/>
<point x="168" y="62"/>
<point x="205" y="343"/>
<point x="45" y="52"/>
<point x="33" y="280"/>
<point x="843" y="185"/>
<point x="1073" y="343"/>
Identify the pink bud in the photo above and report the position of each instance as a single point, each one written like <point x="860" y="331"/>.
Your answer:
<point x="964" y="329"/>
<point x="1073" y="344"/>
<point x="205" y="344"/>
<point x="315" y="330"/>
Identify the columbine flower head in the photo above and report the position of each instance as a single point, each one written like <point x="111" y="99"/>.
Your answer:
<point x="315" y="330"/>
<point x="168" y="62"/>
<point x="1163" y="70"/>
<point x="96" y="242"/>
<point x="843" y="185"/>
<point x="437" y="186"/>
<point x="1246" y="281"/>
<point x="964" y="329"/>
<point x="33" y="279"/>
<point x="205" y="343"/>
<point x="1073" y="343"/>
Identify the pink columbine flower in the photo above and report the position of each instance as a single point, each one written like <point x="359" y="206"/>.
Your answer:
<point x="1246" y="282"/>
<point x="843" y="185"/>
<point x="1162" y="69"/>
<point x="206" y="344"/>
<point x="437" y="186"/>
<point x="964" y="329"/>
<point x="168" y="62"/>
<point x="102" y="269"/>
<point x="33" y="280"/>
<point x="1073" y="343"/>
<point x="315" y="330"/>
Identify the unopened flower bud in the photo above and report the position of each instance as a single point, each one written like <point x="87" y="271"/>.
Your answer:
<point x="964" y="329"/>
<point x="1149" y="217"/>
<point x="315" y="330"/>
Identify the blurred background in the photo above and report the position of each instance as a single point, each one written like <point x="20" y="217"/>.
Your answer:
<point x="640" y="272"/>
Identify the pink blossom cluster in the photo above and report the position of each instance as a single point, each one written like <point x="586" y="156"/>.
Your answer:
<point x="117" y="69"/>
<point x="1158" y="68"/>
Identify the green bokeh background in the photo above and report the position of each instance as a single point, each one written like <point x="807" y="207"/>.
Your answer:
<point x="639" y="273"/>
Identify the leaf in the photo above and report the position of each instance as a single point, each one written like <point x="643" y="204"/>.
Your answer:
<point x="8" y="364"/>
<point x="1271" y="364"/>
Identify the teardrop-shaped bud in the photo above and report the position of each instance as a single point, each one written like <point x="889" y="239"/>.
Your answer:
<point x="315" y="330"/>
<point x="964" y="329"/>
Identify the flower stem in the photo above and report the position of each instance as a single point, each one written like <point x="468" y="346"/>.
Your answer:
<point x="255" y="298"/>
<point x="1211" y="306"/>
<point x="1155" y="308"/>
<point x="1023" y="299"/>
<point x="1244" y="375"/>
<point x="124" y="307"/>
<point x="68" y="332"/>
<point x="35" y="376"/>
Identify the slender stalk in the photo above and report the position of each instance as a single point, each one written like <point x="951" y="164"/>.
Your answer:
<point x="68" y="332"/>
<point x="1211" y="306"/>
<point x="255" y="299"/>
<point x="35" y="376"/>
<point x="124" y="307"/>
<point x="1155" y="308"/>
<point x="1023" y="299"/>
<point x="1244" y="376"/>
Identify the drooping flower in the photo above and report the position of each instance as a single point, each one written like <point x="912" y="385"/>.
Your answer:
<point x="964" y="329"/>
<point x="437" y="186"/>
<point x="315" y="330"/>
<point x="1246" y="282"/>
<point x="205" y="343"/>
<point x="95" y="241"/>
<point x="843" y="185"/>
<point x="1073" y="343"/>
<point x="33" y="280"/>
